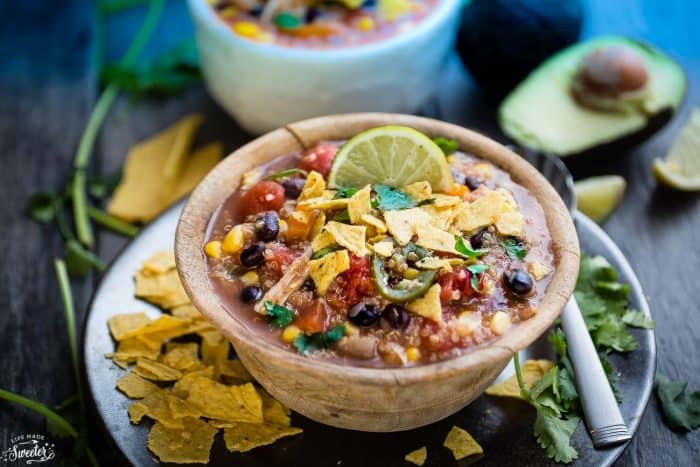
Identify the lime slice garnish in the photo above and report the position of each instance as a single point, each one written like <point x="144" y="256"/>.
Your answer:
<point x="597" y="197"/>
<point x="391" y="155"/>
<point x="681" y="168"/>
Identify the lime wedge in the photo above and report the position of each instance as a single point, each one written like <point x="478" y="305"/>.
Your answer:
<point x="681" y="168"/>
<point x="597" y="197"/>
<point x="392" y="155"/>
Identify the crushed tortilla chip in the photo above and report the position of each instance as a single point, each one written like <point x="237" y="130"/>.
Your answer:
<point x="314" y="186"/>
<point x="428" y="305"/>
<point x="139" y="198"/>
<point x="323" y="204"/>
<point x="156" y="371"/>
<point x="243" y="437"/>
<point x="538" y="270"/>
<point x="182" y="356"/>
<point x="322" y="240"/>
<point x="403" y="224"/>
<point x="186" y="312"/>
<point x="188" y="445"/>
<point x="233" y="372"/>
<point x="359" y="204"/>
<point x="183" y="385"/>
<point x="419" y="191"/>
<point x="318" y="224"/>
<point x="134" y="386"/>
<point x="351" y="237"/>
<point x="435" y="239"/>
<point x="196" y="167"/>
<point x="418" y="456"/>
<point x="482" y="212"/>
<point x="445" y="201"/>
<point x="461" y="443"/>
<point x="159" y="263"/>
<point x="375" y="222"/>
<point x="228" y="403"/>
<point x="510" y="223"/>
<point x="440" y="218"/>
<point x="122" y="325"/>
<point x="162" y="406"/>
<point x="384" y="248"/>
<point x="532" y="371"/>
<point x="273" y="410"/>
<point x="327" y="268"/>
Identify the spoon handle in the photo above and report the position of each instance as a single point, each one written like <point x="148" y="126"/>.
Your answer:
<point x="600" y="409"/>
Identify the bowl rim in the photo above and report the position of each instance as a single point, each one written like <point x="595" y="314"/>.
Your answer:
<point x="202" y="11"/>
<point x="207" y="197"/>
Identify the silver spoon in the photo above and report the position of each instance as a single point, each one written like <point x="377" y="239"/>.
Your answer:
<point x="600" y="409"/>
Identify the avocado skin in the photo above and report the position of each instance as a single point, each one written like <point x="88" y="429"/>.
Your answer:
<point x="603" y="152"/>
<point x="502" y="41"/>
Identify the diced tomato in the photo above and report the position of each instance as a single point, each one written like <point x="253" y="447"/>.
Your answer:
<point x="352" y="285"/>
<point x="263" y="196"/>
<point x="276" y="262"/>
<point x="319" y="158"/>
<point x="313" y="318"/>
<point x="459" y="279"/>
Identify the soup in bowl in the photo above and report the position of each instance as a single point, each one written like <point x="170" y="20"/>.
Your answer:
<point x="376" y="271"/>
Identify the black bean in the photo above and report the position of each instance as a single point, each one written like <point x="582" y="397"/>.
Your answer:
<point x="308" y="284"/>
<point x="363" y="314"/>
<point x="518" y="281"/>
<point x="477" y="240"/>
<point x="397" y="316"/>
<point x="268" y="226"/>
<point x="311" y="14"/>
<point x="253" y="255"/>
<point x="472" y="182"/>
<point x="251" y="294"/>
<point x="293" y="187"/>
<point x="256" y="11"/>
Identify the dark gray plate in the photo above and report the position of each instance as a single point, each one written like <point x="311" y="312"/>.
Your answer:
<point x="503" y="427"/>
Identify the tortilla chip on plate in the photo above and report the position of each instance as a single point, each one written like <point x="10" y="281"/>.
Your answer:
<point x="188" y="445"/>
<point x="242" y="437"/>
<point x="228" y="403"/>
<point x="162" y="406"/>
<point x="122" y="324"/>
<point x="532" y="371"/>
<point x="156" y="371"/>
<point x="134" y="386"/>
<point x="461" y="443"/>
<point x="418" y="456"/>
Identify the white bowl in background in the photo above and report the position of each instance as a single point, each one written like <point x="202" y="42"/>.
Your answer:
<point x="265" y="86"/>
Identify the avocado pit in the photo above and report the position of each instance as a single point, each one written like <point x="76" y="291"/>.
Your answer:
<point x="610" y="79"/>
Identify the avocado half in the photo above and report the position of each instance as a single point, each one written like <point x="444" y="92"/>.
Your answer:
<point x="542" y="113"/>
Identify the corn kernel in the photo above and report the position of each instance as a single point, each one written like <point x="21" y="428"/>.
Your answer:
<point x="500" y="322"/>
<point x="250" y="278"/>
<point x="213" y="249"/>
<point x="365" y="24"/>
<point x="283" y="226"/>
<point x="413" y="354"/>
<point x="351" y="330"/>
<point x="233" y="241"/>
<point x="411" y="273"/>
<point x="290" y="333"/>
<point x="246" y="29"/>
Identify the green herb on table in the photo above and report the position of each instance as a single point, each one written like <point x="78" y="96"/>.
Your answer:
<point x="319" y="340"/>
<point x="514" y="248"/>
<point x="280" y="316"/>
<point x="79" y="261"/>
<point x="102" y="186"/>
<point x="467" y="250"/>
<point x="392" y="199"/>
<point x="448" y="146"/>
<point x="170" y="73"/>
<point x="681" y="408"/>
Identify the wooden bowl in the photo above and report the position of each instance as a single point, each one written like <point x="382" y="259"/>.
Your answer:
<point x="369" y="399"/>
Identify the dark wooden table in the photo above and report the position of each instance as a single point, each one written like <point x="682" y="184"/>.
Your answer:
<point x="48" y="84"/>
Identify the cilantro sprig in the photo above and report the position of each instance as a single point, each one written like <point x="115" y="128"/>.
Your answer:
<point x="467" y="250"/>
<point x="681" y="409"/>
<point x="476" y="269"/>
<point x="392" y="199"/>
<point x="345" y="192"/>
<point x="514" y="248"/>
<point x="305" y="343"/>
<point x="280" y="316"/>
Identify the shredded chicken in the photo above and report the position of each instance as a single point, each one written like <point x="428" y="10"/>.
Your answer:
<point x="288" y="283"/>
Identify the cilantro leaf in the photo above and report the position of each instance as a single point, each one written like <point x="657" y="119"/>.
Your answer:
<point x="553" y="434"/>
<point x="281" y="316"/>
<point x="80" y="261"/>
<point x="342" y="216"/>
<point x="610" y="374"/>
<point x="448" y="146"/>
<point x="319" y="340"/>
<point x="345" y="192"/>
<point x="638" y="319"/>
<point x="170" y="73"/>
<point x="514" y="248"/>
<point x="681" y="409"/>
<point x="466" y="248"/>
<point x="287" y="21"/>
<point x="558" y="341"/>
<point x="392" y="199"/>
<point x="476" y="269"/>
<point x="611" y="333"/>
